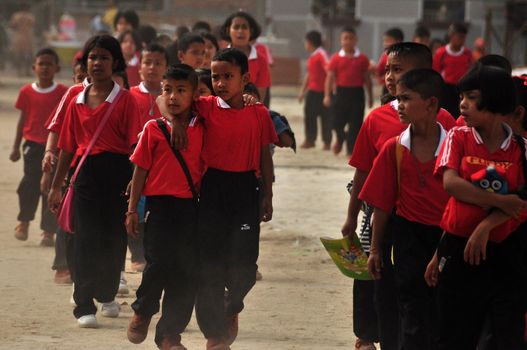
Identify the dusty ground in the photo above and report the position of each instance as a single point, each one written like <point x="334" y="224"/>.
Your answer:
<point x="303" y="302"/>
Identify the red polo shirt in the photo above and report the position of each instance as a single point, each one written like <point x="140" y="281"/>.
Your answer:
<point x="452" y="65"/>
<point x="117" y="136"/>
<point x="349" y="71"/>
<point x="234" y="137"/>
<point x="147" y="103"/>
<point x="379" y="126"/>
<point x="165" y="175"/>
<point x="132" y="70"/>
<point x="316" y="70"/>
<point x="54" y="122"/>
<point x="37" y="104"/>
<point x="420" y="197"/>
<point x="465" y="152"/>
<point x="259" y="69"/>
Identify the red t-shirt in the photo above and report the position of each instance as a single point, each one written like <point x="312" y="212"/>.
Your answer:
<point x="234" y="137"/>
<point x="265" y="51"/>
<point x="316" y="70"/>
<point x="132" y="70"/>
<point x="118" y="135"/>
<point x="54" y="122"/>
<point x="452" y="65"/>
<point x="37" y="104"/>
<point x="147" y="103"/>
<point x="380" y="125"/>
<point x="420" y="197"/>
<point x="259" y="69"/>
<point x="165" y="175"/>
<point x="381" y="68"/>
<point x="465" y="152"/>
<point x="349" y="71"/>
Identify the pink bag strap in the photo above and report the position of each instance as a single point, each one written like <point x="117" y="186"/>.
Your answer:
<point x="95" y="136"/>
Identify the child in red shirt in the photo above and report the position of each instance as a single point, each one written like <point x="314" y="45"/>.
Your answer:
<point x="36" y="101"/>
<point x="99" y="202"/>
<point x="348" y="70"/>
<point x="171" y="244"/>
<point x="390" y="37"/>
<point x="191" y="50"/>
<point x="485" y="152"/>
<point x="402" y="179"/>
<point x="452" y="61"/>
<point x="130" y="45"/>
<point x="313" y="91"/>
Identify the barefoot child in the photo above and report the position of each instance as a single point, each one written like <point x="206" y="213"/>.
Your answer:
<point x="36" y="101"/>
<point x="402" y="178"/>
<point x="170" y="229"/>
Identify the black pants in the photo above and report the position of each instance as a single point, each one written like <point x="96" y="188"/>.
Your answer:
<point x="136" y="247"/>
<point x="466" y="294"/>
<point x="29" y="189"/>
<point x="348" y="109"/>
<point x="386" y="296"/>
<point x="313" y="109"/>
<point x="171" y="253"/>
<point x="60" y="261"/>
<point x="414" y="246"/>
<point x="450" y="100"/>
<point x="100" y="234"/>
<point x="365" y="325"/>
<point x="229" y="231"/>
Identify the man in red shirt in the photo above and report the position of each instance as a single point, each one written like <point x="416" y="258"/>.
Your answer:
<point x="36" y="101"/>
<point x="313" y="91"/>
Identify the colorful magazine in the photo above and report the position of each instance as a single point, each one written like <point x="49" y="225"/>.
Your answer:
<point x="348" y="255"/>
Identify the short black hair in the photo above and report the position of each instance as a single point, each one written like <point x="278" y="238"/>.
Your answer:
<point x="181" y="30"/>
<point x="395" y="33"/>
<point x="422" y="31"/>
<point x="106" y="42"/>
<point x="348" y="29"/>
<point x="201" y="26"/>
<point x="496" y="61"/>
<point x="426" y="82"/>
<point x="182" y="72"/>
<point x="129" y="15"/>
<point x="521" y="96"/>
<point x="78" y="62"/>
<point x="147" y="34"/>
<point x="124" y="75"/>
<point x="204" y="76"/>
<point x="48" y="51"/>
<point x="212" y="38"/>
<point x="495" y="85"/>
<point x="188" y="39"/>
<point x="420" y="54"/>
<point x="134" y="36"/>
<point x="314" y="37"/>
<point x="233" y="56"/>
<point x="250" y="88"/>
<point x="154" y="47"/>
<point x="254" y="27"/>
<point x="457" y="28"/>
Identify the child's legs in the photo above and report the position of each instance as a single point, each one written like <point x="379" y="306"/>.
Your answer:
<point x="341" y="112"/>
<point x="364" y="315"/>
<point x="356" y="117"/>
<point x="29" y="188"/>
<point x="310" y="116"/>
<point x="136" y="247"/>
<point x="325" y="119"/>
<point x="48" y="221"/>
<point x="60" y="262"/>
<point x="414" y="245"/>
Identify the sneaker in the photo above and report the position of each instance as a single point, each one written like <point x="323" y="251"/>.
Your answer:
<point x="171" y="343"/>
<point x="47" y="239"/>
<point x="217" y="344"/>
<point x="87" y="321"/>
<point x="62" y="277"/>
<point x="21" y="231"/>
<point x="232" y="328"/>
<point x="364" y="345"/>
<point x="307" y="144"/>
<point x="259" y="275"/>
<point x="138" y="266"/>
<point x="138" y="328"/>
<point x="110" y="309"/>
<point x="123" y="286"/>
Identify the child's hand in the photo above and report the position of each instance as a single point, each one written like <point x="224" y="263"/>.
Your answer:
<point x="301" y="97"/>
<point x="476" y="247"/>
<point x="327" y="101"/>
<point x="132" y="224"/>
<point x="511" y="204"/>
<point x="49" y="161"/>
<point x="54" y="199"/>
<point x="178" y="136"/>
<point x="266" y="209"/>
<point x="15" y="155"/>
<point x="370" y="102"/>
<point x="249" y="100"/>
<point x="432" y="272"/>
<point x="374" y="264"/>
<point x="349" y="227"/>
<point x="45" y="182"/>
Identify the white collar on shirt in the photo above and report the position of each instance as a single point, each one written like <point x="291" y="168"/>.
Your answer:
<point x="134" y="61"/>
<point x="252" y="55"/>
<point x="47" y="90"/>
<point x="85" y="82"/>
<point x="395" y="104"/>
<point x="356" y="54"/>
<point x="505" y="144"/>
<point x="81" y="97"/>
<point x="321" y="50"/>
<point x="449" y="50"/>
<point x="405" y="138"/>
<point x="222" y="103"/>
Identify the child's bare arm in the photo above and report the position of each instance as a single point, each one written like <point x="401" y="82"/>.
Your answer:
<point x="380" y="219"/>
<point x="15" y="152"/>
<point x="50" y="155"/>
<point x="369" y="90"/>
<point x="55" y="193"/>
<point x="132" y="218"/>
<point x="266" y="169"/>
<point x="328" y="88"/>
<point x="354" y="203"/>
<point x="262" y="92"/>
<point x="285" y="140"/>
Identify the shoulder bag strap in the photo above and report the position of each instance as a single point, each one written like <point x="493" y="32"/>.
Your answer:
<point x="96" y="135"/>
<point x="179" y="157"/>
